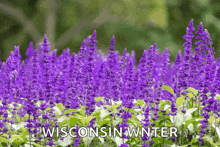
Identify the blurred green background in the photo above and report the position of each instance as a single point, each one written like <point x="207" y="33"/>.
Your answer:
<point x="136" y="24"/>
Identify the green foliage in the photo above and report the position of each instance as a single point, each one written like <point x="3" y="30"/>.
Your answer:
<point x="192" y="90"/>
<point x="180" y="101"/>
<point x="99" y="99"/>
<point x="136" y="24"/>
<point x="60" y="106"/>
<point x="140" y="102"/>
<point x="168" y="88"/>
<point x="105" y="116"/>
<point x="74" y="121"/>
<point x="69" y="111"/>
<point x="3" y="140"/>
<point x="17" y="140"/>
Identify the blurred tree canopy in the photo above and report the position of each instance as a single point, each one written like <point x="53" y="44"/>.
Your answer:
<point x="136" y="24"/>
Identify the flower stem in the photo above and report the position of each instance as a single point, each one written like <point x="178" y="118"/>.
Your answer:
<point x="29" y="132"/>
<point x="174" y="126"/>
<point x="215" y="129"/>
<point x="198" y="105"/>
<point x="164" y="125"/>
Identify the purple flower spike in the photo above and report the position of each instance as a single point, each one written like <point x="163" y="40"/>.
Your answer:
<point x="112" y="44"/>
<point x="46" y="45"/>
<point x="17" y="52"/>
<point x="93" y="41"/>
<point x="30" y="50"/>
<point x="75" y="81"/>
<point x="191" y="27"/>
<point x="199" y="39"/>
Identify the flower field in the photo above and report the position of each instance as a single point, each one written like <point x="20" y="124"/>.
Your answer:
<point x="89" y="89"/>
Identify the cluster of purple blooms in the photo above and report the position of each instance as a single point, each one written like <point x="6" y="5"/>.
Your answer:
<point x="77" y="79"/>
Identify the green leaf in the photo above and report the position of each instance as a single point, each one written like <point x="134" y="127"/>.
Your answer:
<point x="138" y="110"/>
<point x="4" y="135"/>
<point x="188" y="114"/>
<point x="102" y="140"/>
<point x="166" y="107"/>
<point x="18" y="126"/>
<point x="97" y="99"/>
<point x="118" y="140"/>
<point x="96" y="114"/>
<point x="163" y="103"/>
<point x="140" y="102"/>
<point x="191" y="110"/>
<point x="190" y="127"/>
<point x="217" y="130"/>
<point x="190" y="95"/>
<point x="87" y="140"/>
<point x="66" y="141"/>
<point x="117" y="121"/>
<point x="193" y="121"/>
<point x="58" y="112"/>
<point x="180" y="101"/>
<point x="193" y="90"/>
<point x="34" y="144"/>
<point x="103" y="122"/>
<point x="218" y="120"/>
<point x="63" y="121"/>
<point x="16" y="140"/>
<point x="131" y="110"/>
<point x="74" y="121"/>
<point x="135" y="122"/>
<point x="168" y="88"/>
<point x="104" y="113"/>
<point x="108" y="144"/>
<point x="114" y="107"/>
<point x="217" y="97"/>
<point x="209" y="140"/>
<point x="86" y="120"/>
<point x="208" y="93"/>
<point x="48" y="109"/>
<point x="24" y="133"/>
<point x="2" y="139"/>
<point x="178" y="119"/>
<point x="194" y="140"/>
<point x="69" y="111"/>
<point x="60" y="106"/>
<point x="107" y="106"/>
<point x="82" y="111"/>
<point x="160" y="141"/>
<point x="140" y="117"/>
<point x="211" y="119"/>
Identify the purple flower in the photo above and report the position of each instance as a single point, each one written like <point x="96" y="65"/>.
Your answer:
<point x="124" y="145"/>
<point x="29" y="51"/>
<point x="164" y="112"/>
<point x="51" y="143"/>
<point x="126" y="115"/>
<point x="183" y="111"/>
<point x="201" y="139"/>
<point x="77" y="79"/>
<point x="145" y="137"/>
<point x="1" y="125"/>
<point x="173" y="109"/>
<point x="45" y="116"/>
<point x="145" y="145"/>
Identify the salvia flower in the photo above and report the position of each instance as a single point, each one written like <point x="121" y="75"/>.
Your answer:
<point x="77" y="79"/>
